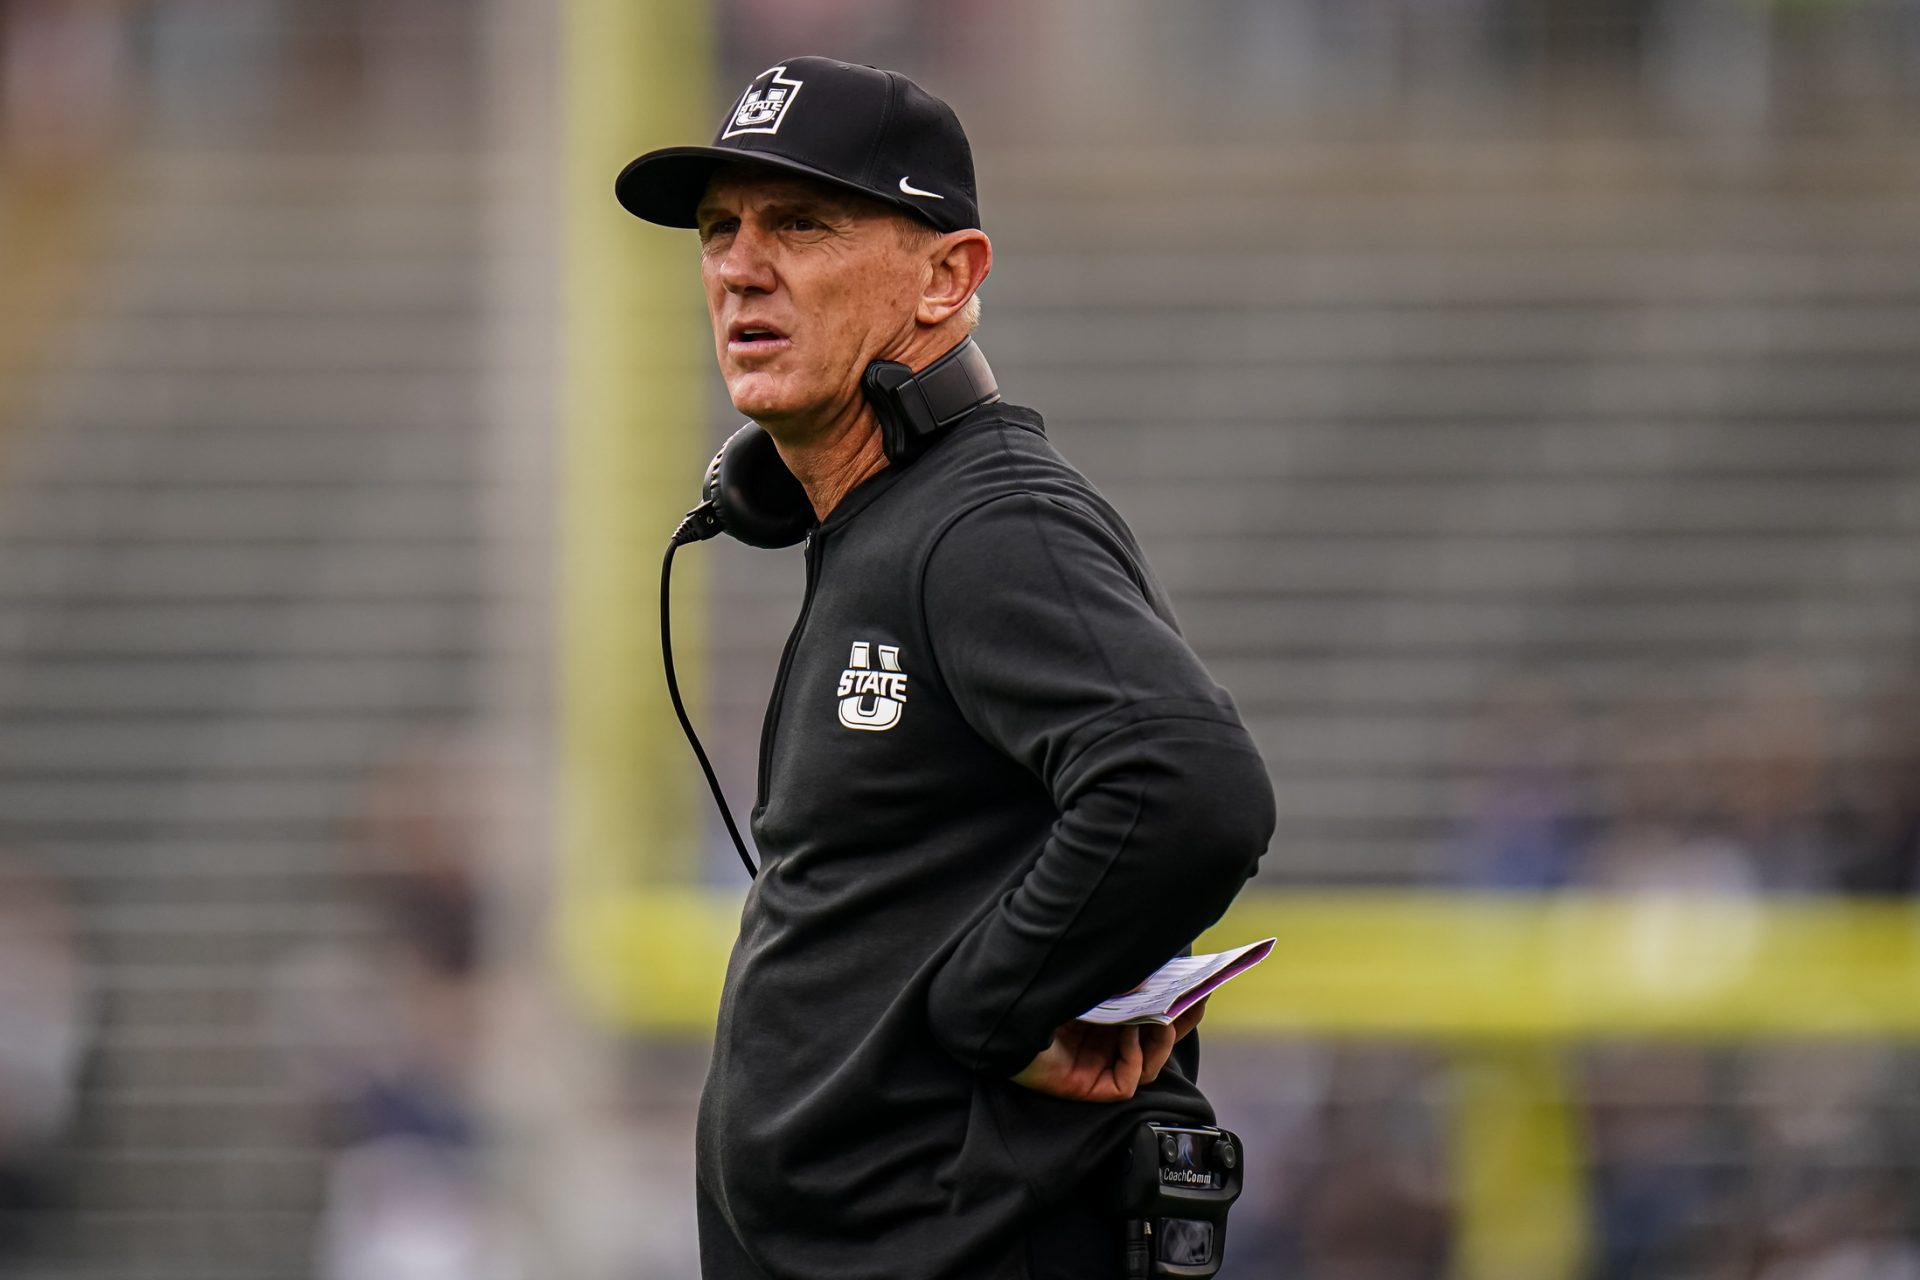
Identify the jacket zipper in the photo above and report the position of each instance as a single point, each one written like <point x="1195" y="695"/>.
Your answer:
<point x="812" y="555"/>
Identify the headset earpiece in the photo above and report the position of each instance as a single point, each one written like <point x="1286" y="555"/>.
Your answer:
<point x="914" y="408"/>
<point x="749" y="492"/>
<point x="755" y="498"/>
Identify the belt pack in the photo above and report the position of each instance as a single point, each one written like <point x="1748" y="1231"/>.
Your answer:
<point x="1177" y="1183"/>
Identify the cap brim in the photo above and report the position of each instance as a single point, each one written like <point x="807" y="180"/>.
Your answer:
<point x="665" y="186"/>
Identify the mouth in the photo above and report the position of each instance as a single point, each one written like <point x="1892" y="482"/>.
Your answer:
<point x="754" y="338"/>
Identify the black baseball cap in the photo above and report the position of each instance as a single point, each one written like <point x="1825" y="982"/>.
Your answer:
<point x="861" y="128"/>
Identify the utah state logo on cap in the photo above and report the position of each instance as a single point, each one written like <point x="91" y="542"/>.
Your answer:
<point x="765" y="103"/>
<point x="862" y="129"/>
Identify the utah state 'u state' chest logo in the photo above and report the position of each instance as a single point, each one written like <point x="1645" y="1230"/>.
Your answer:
<point x="870" y="698"/>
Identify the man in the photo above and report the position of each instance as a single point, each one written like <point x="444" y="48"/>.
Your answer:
<point x="996" y="786"/>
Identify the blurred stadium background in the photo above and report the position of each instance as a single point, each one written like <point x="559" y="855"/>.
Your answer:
<point x="1520" y="399"/>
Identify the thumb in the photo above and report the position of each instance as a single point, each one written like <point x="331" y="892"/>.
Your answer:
<point x="1190" y="1019"/>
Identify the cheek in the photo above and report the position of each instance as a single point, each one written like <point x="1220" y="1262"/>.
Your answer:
<point x="870" y="307"/>
<point x="713" y="316"/>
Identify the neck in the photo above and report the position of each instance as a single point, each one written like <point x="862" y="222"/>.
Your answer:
<point x="831" y="460"/>
<point x="834" y="456"/>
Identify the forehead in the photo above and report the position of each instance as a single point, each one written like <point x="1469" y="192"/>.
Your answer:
<point x="741" y="186"/>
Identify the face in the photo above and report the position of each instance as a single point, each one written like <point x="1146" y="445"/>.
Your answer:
<point x="804" y="286"/>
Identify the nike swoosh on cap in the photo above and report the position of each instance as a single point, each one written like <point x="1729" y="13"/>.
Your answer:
<point x="915" y="191"/>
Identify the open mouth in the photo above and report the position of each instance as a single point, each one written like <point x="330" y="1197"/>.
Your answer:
<point x="747" y="338"/>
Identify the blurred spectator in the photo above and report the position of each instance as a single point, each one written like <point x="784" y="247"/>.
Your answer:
<point x="403" y="1209"/>
<point x="1862" y="1231"/>
<point x="1378" y="1207"/>
<point x="1766" y="780"/>
<point x="63" y="71"/>
<point x="1889" y="837"/>
<point x="46" y="1024"/>
<point x="1830" y="1159"/>
<point x="1681" y="790"/>
<point x="1656" y="841"/>
<point x="1524" y="753"/>
<point x="1661" y="1177"/>
<point x="1280" y="1109"/>
<point x="388" y="1037"/>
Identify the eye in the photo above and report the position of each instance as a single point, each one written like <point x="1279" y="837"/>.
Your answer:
<point x="801" y="222"/>
<point x="719" y="227"/>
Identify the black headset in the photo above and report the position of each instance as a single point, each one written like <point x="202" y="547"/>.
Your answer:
<point x="749" y="492"/>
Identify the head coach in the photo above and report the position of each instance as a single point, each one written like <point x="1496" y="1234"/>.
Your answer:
<point x="996" y="786"/>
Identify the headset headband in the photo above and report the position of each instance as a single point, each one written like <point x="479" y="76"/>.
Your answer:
<point x="913" y="408"/>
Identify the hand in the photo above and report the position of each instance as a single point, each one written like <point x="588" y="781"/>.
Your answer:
<point x="1088" y="1062"/>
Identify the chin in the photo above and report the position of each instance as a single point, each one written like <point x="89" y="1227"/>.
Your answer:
<point x="762" y="398"/>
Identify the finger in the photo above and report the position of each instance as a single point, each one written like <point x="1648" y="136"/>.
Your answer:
<point x="1156" y="1046"/>
<point x="1128" y="1063"/>
<point x="1093" y="1049"/>
<point x="1190" y="1019"/>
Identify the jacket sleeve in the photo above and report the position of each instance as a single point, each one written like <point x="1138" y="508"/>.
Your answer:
<point x="1053" y="652"/>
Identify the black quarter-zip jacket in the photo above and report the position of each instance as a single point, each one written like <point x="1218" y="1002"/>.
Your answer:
<point x="996" y="787"/>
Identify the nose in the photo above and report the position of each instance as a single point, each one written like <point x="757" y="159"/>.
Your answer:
<point x="747" y="265"/>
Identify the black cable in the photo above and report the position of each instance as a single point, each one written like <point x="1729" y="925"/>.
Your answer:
<point x="1139" y="1249"/>
<point x="680" y="709"/>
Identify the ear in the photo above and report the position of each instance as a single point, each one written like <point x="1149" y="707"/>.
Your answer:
<point x="958" y="264"/>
